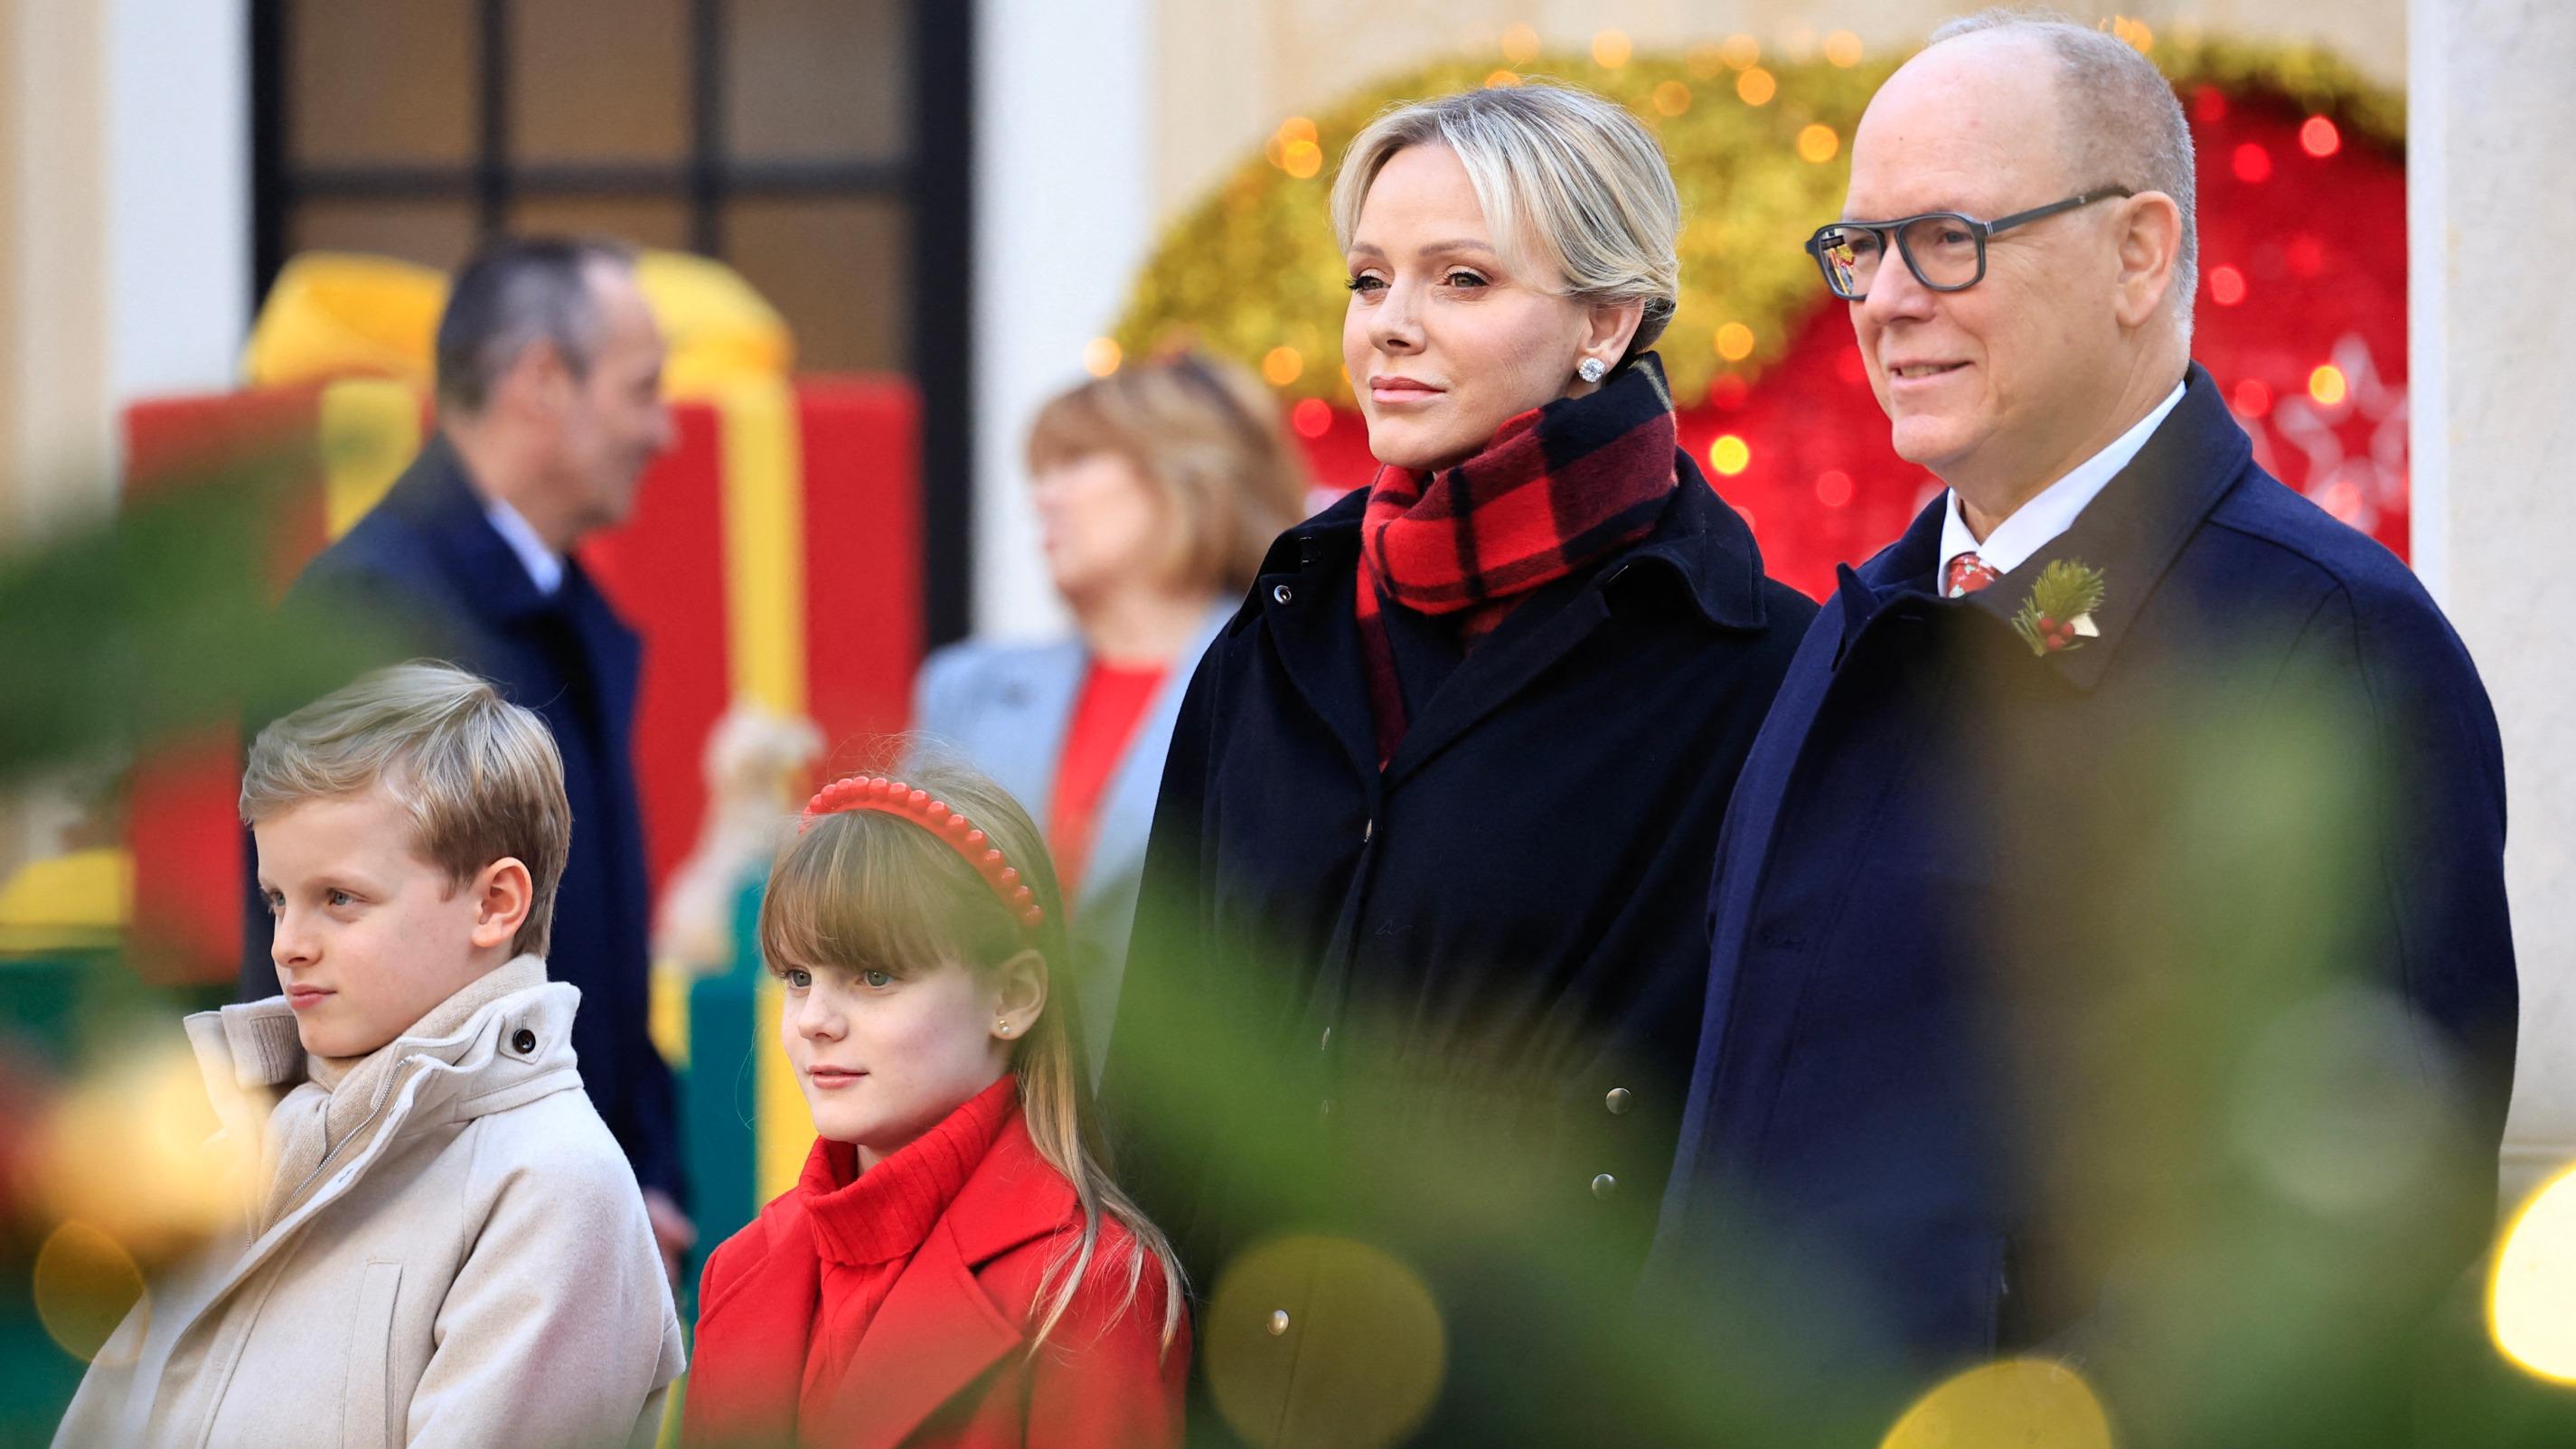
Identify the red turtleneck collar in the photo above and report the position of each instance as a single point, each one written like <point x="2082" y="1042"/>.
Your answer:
<point x="883" y="1214"/>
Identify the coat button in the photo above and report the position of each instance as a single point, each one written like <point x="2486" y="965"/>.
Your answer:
<point x="1604" y="1185"/>
<point x="1278" y="1322"/>
<point x="523" y="1041"/>
<point x="1328" y="1039"/>
<point x="1368" y="831"/>
<point x="1618" y="1101"/>
<point x="1281" y="593"/>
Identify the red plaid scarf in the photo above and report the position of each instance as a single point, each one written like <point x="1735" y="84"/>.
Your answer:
<point x="1559" y="487"/>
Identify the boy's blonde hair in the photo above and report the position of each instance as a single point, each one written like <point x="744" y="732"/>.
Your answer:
<point x="864" y="889"/>
<point x="480" y="776"/>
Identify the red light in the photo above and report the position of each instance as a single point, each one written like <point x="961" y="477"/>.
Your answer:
<point x="2319" y="138"/>
<point x="2253" y="163"/>
<point x="1833" y="488"/>
<point x="2226" y="286"/>
<point x="1727" y="393"/>
<point x="1311" y="417"/>
<point x="2252" y="399"/>
<point x="2208" y="105"/>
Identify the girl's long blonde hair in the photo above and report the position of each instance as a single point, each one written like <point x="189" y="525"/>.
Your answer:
<point x="863" y="889"/>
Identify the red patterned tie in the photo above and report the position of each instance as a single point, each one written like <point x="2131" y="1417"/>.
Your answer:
<point x="1967" y="574"/>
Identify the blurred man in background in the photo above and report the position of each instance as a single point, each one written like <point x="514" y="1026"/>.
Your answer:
<point x="550" y="408"/>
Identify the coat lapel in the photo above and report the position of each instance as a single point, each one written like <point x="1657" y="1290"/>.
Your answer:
<point x="1304" y="593"/>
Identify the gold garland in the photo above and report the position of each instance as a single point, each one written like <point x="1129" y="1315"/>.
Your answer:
<point x="1759" y="151"/>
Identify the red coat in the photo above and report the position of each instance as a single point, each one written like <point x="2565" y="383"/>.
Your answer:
<point x="945" y="1362"/>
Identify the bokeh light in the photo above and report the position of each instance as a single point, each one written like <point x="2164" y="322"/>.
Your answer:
<point x="1100" y="356"/>
<point x="1281" y="366"/>
<point x="1730" y="454"/>
<point x="1312" y="417"/>
<point x="1496" y="80"/>
<point x="85" y="1283"/>
<point x="2319" y="138"/>
<point x="2252" y="163"/>
<point x="1834" y="488"/>
<point x="1739" y="52"/>
<point x="1734" y="341"/>
<point x="1389" y="1361"/>
<point x="2251" y="399"/>
<point x="2327" y="386"/>
<point x="2226" y="286"/>
<point x="1818" y="143"/>
<point x="1520" y="44"/>
<point x="1672" y="98"/>
<point x="2025" y="1403"/>
<point x="2531" y="1297"/>
<point x="1843" y="48"/>
<point x="1610" y="49"/>
<point x="1756" y="87"/>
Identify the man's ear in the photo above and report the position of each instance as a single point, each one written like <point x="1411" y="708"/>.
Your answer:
<point x="1023" y="996"/>
<point x="2150" y="247"/>
<point x="504" y="893"/>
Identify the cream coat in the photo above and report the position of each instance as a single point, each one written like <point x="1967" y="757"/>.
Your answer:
<point x="444" y="1248"/>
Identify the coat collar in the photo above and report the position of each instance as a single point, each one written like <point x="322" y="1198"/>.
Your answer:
<point x="2132" y="531"/>
<point x="886" y="1212"/>
<point x="437" y="497"/>
<point x="1700" y="544"/>
<point x="939" y="1329"/>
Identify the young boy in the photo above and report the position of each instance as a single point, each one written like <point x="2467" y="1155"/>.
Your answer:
<point x="444" y="1244"/>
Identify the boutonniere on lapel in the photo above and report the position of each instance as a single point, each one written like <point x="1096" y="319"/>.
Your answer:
<point x="2058" y="615"/>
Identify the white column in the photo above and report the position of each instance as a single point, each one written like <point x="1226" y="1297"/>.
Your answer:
<point x="1064" y="210"/>
<point x="2491" y="120"/>
<point x="179" y="213"/>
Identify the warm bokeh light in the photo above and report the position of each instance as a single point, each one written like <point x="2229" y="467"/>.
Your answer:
<point x="1672" y="98"/>
<point x="2252" y="163"/>
<point x="84" y="1284"/>
<point x="1252" y="1329"/>
<point x="1740" y="52"/>
<point x="1100" y="356"/>
<point x="1298" y="128"/>
<point x="1610" y="49"/>
<point x="2251" y="399"/>
<point x="2327" y="386"/>
<point x="1281" y="366"/>
<point x="1756" y="86"/>
<point x="2319" y="138"/>
<point x="1301" y="159"/>
<point x="1312" y="417"/>
<point x="145" y="1122"/>
<point x="2226" y="286"/>
<point x="1520" y="44"/>
<point x="2027" y="1403"/>
<point x="1495" y="80"/>
<point x="1734" y="341"/>
<point x="2142" y="39"/>
<point x="1843" y="48"/>
<point x="1834" y="488"/>
<point x="1818" y="143"/>
<point x="1730" y="455"/>
<point x="2531" y="1297"/>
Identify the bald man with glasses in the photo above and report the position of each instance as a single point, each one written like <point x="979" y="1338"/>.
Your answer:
<point x="2110" y="957"/>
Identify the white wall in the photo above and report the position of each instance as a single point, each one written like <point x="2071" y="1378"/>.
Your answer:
<point x="179" y="216"/>
<point x="1064" y="216"/>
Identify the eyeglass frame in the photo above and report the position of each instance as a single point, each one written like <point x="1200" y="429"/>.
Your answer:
<point x="1891" y="235"/>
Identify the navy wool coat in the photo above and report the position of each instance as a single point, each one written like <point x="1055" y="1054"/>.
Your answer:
<point x="427" y="562"/>
<point x="1443" y="1011"/>
<point x="2028" y="967"/>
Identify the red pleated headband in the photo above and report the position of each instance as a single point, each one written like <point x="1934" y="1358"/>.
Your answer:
<point x="893" y="797"/>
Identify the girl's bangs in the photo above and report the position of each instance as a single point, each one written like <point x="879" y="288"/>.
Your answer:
<point x="862" y="891"/>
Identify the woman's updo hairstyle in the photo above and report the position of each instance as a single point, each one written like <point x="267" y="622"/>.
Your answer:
<point x="1566" y="177"/>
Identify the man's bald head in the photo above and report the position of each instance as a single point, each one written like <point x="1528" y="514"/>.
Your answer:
<point x="2120" y="124"/>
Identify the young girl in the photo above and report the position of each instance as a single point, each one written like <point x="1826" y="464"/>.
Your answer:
<point x="955" y="1266"/>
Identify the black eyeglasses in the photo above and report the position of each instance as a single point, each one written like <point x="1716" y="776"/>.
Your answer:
<point x="1945" y="250"/>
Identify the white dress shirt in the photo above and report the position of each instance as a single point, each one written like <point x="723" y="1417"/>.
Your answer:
<point x="2036" y="523"/>
<point x="545" y="568"/>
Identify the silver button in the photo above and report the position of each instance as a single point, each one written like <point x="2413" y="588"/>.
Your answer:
<point x="1278" y="1322"/>
<point x="1281" y="593"/>
<point x="1368" y="832"/>
<point x="1618" y="1101"/>
<point x="1604" y="1185"/>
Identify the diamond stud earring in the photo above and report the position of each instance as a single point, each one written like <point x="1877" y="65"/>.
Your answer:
<point x="1592" y="370"/>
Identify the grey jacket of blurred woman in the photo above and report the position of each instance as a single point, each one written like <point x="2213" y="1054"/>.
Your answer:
<point x="1006" y="708"/>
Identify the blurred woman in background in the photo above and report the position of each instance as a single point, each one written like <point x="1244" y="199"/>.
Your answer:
<point x="1158" y="488"/>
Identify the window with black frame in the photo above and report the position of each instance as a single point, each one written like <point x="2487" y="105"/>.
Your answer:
<point x="822" y="148"/>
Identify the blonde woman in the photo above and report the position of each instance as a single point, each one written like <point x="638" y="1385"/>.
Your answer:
<point x="1420" y="957"/>
<point x="1157" y="489"/>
